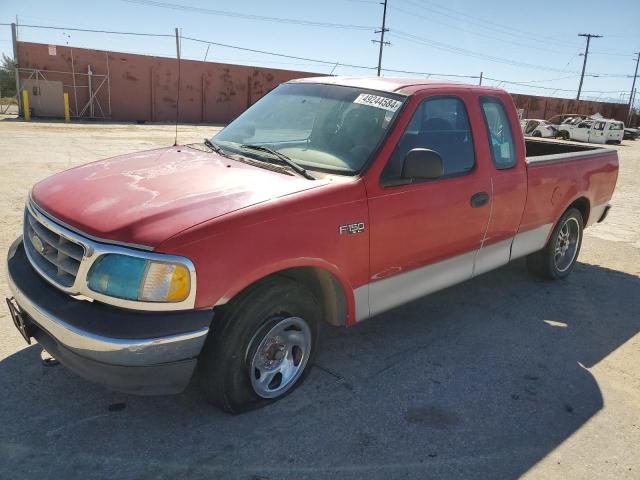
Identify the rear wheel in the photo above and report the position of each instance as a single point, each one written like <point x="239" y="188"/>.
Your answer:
<point x="262" y="347"/>
<point x="557" y="259"/>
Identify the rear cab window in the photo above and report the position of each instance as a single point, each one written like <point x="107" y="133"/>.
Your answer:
<point x="501" y="143"/>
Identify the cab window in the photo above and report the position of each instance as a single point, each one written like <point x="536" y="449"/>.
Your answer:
<point x="442" y="125"/>
<point x="503" y="152"/>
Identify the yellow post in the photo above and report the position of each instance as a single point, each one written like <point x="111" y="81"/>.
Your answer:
<point x="25" y="105"/>
<point x="66" y="107"/>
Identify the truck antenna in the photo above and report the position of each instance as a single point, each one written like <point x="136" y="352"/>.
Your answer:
<point x="175" y="143"/>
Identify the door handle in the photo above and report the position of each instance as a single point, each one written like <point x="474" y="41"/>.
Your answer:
<point x="479" y="199"/>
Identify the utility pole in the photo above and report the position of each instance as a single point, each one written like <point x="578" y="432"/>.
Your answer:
<point x="382" y="32"/>
<point x="586" y="53"/>
<point x="14" y="41"/>
<point x="633" y="86"/>
<point x="480" y="82"/>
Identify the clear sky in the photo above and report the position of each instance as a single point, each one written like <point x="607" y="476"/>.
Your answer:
<point x="533" y="43"/>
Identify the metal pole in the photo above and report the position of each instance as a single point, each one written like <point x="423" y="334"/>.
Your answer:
<point x="382" y="32"/>
<point x="206" y="53"/>
<point x="90" y="84"/>
<point x="14" y="40"/>
<point x="106" y="54"/>
<point x="178" y="95"/>
<point x="480" y="82"/>
<point x="584" y="63"/>
<point x="75" y="90"/>
<point x="633" y="86"/>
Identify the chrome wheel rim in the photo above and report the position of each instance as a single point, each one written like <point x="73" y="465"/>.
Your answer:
<point x="281" y="357"/>
<point x="566" y="247"/>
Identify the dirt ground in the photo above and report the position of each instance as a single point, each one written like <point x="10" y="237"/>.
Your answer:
<point x="500" y="377"/>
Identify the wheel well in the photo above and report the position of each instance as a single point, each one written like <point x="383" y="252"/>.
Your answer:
<point x="582" y="205"/>
<point x="326" y="288"/>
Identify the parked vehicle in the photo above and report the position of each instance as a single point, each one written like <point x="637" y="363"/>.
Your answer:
<point x="566" y="118"/>
<point x="592" y="131"/>
<point x="537" y="128"/>
<point x="330" y="200"/>
<point x="631" y="134"/>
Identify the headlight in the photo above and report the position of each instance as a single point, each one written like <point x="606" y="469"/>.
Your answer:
<point x="134" y="278"/>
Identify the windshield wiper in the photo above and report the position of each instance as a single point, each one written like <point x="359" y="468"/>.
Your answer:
<point x="215" y="148"/>
<point x="282" y="157"/>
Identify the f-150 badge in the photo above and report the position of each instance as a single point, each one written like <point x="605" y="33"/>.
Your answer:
<point x="351" y="228"/>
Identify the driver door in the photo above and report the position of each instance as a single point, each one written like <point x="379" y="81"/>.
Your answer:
<point x="425" y="235"/>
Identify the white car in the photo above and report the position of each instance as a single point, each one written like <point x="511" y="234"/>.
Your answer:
<point x="593" y="131"/>
<point x="537" y="128"/>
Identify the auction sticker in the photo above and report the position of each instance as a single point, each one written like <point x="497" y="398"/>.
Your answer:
<point x="377" y="101"/>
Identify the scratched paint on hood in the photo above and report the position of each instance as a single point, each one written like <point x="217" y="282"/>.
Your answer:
<point x="145" y="198"/>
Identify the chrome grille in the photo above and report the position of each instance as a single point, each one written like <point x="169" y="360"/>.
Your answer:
<point x="52" y="254"/>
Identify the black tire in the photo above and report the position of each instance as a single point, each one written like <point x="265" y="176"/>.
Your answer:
<point x="564" y="135"/>
<point x="536" y="134"/>
<point x="225" y="364"/>
<point x="548" y="263"/>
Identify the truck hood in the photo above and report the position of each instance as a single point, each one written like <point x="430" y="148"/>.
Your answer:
<point x="145" y="198"/>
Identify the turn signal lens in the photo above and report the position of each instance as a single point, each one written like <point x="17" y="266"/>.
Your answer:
<point x="165" y="282"/>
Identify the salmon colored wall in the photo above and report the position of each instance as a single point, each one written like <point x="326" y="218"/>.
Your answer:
<point x="145" y="87"/>
<point x="547" y="107"/>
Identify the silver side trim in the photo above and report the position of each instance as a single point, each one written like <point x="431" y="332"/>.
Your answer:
<point x="596" y="213"/>
<point x="402" y="288"/>
<point x="385" y="294"/>
<point x="114" y="351"/>
<point x="361" y="298"/>
<point x="530" y="241"/>
<point x="492" y="256"/>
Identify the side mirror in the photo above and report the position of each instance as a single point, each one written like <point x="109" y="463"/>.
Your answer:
<point x="422" y="163"/>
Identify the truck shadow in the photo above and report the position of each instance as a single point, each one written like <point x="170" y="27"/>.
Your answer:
<point x="482" y="380"/>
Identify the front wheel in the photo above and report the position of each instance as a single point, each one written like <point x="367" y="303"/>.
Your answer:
<point x="557" y="259"/>
<point x="261" y="347"/>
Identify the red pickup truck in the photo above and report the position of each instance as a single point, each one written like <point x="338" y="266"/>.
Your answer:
<point x="329" y="200"/>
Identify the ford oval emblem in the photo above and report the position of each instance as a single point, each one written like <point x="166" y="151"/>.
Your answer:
<point x="37" y="243"/>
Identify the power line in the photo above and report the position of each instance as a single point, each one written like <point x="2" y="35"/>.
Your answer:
<point x="589" y="36"/>
<point x="246" y="16"/>
<point x="483" y="23"/>
<point x="327" y="62"/>
<point x="498" y="28"/>
<point x="479" y="34"/>
<point x="470" y="53"/>
<point x="526" y="84"/>
<point x="276" y="54"/>
<point x="113" y="32"/>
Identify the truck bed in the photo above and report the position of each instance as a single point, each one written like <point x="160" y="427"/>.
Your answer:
<point x="547" y="151"/>
<point x="559" y="173"/>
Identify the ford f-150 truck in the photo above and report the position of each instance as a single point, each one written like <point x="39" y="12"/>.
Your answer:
<point x="329" y="200"/>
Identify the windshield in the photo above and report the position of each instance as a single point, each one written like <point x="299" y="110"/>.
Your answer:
<point x="323" y="127"/>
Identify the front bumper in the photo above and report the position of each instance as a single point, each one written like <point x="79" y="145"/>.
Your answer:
<point x="132" y="351"/>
